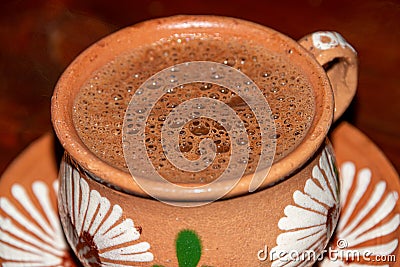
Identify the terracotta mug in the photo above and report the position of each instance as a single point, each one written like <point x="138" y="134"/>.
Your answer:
<point x="110" y="221"/>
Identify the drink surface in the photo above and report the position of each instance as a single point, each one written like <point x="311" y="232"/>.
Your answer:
<point x="100" y="105"/>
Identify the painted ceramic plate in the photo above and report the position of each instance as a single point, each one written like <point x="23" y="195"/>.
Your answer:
<point x="31" y="234"/>
<point x="368" y="230"/>
<point x="30" y="231"/>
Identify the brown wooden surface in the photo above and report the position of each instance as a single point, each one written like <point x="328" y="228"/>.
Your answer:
<point x="39" y="38"/>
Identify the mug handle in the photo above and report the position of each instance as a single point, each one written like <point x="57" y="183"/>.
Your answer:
<point x="339" y="60"/>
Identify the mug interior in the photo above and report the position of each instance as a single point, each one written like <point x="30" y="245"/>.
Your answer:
<point x="152" y="31"/>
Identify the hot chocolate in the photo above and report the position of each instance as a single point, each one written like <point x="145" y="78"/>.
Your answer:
<point x="101" y="103"/>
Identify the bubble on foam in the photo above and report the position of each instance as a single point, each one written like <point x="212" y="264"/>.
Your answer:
<point x="241" y="141"/>
<point x="155" y="84"/>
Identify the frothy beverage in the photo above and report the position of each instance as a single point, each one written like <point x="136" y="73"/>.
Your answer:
<point x="100" y="106"/>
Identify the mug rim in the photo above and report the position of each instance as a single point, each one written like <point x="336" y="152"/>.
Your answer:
<point x="127" y="38"/>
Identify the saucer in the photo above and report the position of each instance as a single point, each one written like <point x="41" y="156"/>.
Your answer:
<point x="30" y="230"/>
<point x="31" y="234"/>
<point x="368" y="230"/>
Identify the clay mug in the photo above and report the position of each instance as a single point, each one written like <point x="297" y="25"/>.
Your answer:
<point x="109" y="220"/>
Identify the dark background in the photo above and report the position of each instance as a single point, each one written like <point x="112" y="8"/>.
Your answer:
<point x="39" y="38"/>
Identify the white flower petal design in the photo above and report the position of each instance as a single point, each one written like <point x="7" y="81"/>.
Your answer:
<point x="375" y="219"/>
<point x="99" y="233"/>
<point x="308" y="225"/>
<point x="30" y="232"/>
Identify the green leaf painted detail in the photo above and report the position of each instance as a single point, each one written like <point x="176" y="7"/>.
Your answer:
<point x="188" y="248"/>
<point x="157" y="266"/>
